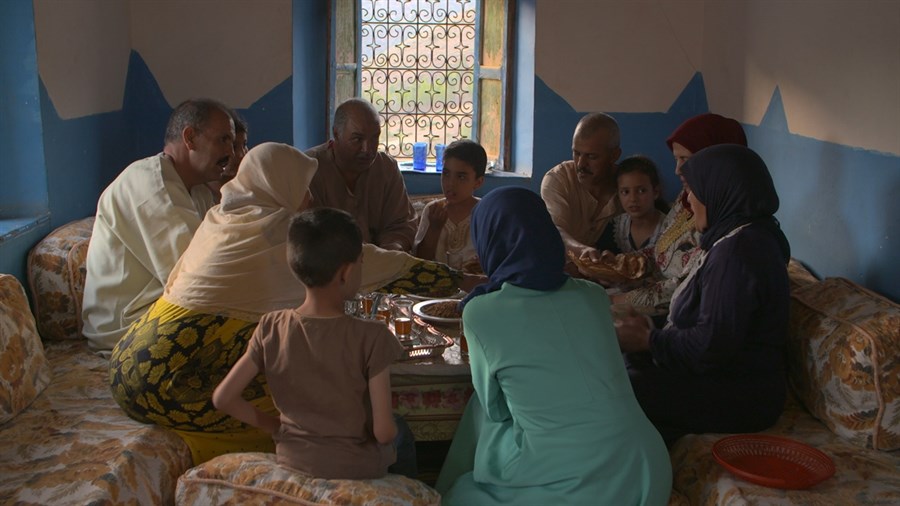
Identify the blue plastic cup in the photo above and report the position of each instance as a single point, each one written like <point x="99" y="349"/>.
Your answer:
<point x="439" y="157"/>
<point x="420" y="151"/>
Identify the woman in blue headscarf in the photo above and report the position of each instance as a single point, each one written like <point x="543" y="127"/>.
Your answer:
<point x="717" y="366"/>
<point x="553" y="419"/>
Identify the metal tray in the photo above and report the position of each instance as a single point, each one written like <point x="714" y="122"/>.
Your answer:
<point x="426" y="341"/>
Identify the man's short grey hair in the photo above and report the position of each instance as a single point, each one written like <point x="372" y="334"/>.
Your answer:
<point x="597" y="121"/>
<point x="348" y="107"/>
<point x="195" y="113"/>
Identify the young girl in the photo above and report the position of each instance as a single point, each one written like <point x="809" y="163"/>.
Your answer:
<point x="443" y="233"/>
<point x="639" y="192"/>
<point x="328" y="372"/>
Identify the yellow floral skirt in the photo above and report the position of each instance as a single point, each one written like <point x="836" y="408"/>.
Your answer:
<point x="165" y="368"/>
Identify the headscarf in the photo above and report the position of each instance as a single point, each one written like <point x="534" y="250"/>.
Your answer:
<point x="236" y="264"/>
<point x="703" y="131"/>
<point x="707" y="130"/>
<point x="734" y="184"/>
<point x="517" y="242"/>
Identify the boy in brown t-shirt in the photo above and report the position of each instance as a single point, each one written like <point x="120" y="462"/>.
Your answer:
<point x="328" y="372"/>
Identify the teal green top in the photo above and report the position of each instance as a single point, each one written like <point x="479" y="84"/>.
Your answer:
<point x="553" y="419"/>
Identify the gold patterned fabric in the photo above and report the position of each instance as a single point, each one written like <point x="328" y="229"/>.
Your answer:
<point x="424" y="278"/>
<point x="73" y="444"/>
<point x="862" y="476"/>
<point x="56" y="271"/>
<point x="165" y="368"/>
<point x="257" y="479"/>
<point x="843" y="349"/>
<point x="24" y="370"/>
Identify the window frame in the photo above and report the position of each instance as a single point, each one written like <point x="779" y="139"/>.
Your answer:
<point x="337" y="72"/>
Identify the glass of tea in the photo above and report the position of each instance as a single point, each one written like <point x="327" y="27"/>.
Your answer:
<point x="403" y="318"/>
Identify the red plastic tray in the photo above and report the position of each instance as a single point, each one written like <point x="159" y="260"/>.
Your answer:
<point x="773" y="461"/>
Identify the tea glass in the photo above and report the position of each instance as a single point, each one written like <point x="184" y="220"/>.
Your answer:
<point x="403" y="318"/>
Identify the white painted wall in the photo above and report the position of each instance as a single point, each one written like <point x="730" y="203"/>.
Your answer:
<point x="836" y="62"/>
<point x="232" y="50"/>
<point x="82" y="53"/>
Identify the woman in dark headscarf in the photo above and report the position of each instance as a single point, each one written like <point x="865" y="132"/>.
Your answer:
<point x="717" y="366"/>
<point x="553" y="419"/>
<point x="676" y="250"/>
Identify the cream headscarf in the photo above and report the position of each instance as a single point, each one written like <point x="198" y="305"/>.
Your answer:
<point x="236" y="264"/>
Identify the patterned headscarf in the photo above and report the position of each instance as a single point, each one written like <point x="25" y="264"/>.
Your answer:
<point x="517" y="242"/>
<point x="734" y="184"/>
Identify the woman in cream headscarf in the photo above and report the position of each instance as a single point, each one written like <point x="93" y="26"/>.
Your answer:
<point x="165" y="368"/>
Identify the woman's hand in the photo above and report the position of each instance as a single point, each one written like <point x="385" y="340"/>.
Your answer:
<point x="633" y="332"/>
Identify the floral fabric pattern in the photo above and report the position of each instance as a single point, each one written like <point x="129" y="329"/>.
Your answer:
<point x="862" y="477"/>
<point x="257" y="479"/>
<point x="843" y="360"/>
<point x="56" y="272"/>
<point x="432" y="411"/>
<point x="24" y="370"/>
<point x="74" y="445"/>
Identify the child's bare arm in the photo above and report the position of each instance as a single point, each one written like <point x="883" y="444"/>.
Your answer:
<point x="437" y="216"/>
<point x="382" y="416"/>
<point x="227" y="396"/>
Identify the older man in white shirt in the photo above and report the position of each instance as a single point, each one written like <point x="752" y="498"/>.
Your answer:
<point x="147" y="216"/>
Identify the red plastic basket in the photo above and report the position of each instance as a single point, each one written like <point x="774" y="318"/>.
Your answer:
<point x="773" y="461"/>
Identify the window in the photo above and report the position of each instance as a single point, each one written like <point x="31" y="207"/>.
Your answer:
<point x="436" y="70"/>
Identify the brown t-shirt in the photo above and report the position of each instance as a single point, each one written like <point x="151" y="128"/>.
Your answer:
<point x="318" y="371"/>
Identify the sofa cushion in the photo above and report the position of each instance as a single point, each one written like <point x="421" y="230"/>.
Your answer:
<point x="74" y="445"/>
<point x="24" y="370"/>
<point x="843" y="360"/>
<point x="56" y="271"/>
<point x="256" y="478"/>
<point x="862" y="476"/>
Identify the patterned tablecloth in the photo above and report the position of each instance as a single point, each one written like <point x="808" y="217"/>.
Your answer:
<point x="431" y="393"/>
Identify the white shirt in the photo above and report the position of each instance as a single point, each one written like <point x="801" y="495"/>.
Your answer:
<point x="145" y="221"/>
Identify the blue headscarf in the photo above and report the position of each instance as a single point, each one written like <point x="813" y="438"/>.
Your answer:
<point x="734" y="184"/>
<point x="517" y="242"/>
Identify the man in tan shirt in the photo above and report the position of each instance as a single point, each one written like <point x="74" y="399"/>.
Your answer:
<point x="581" y="194"/>
<point x="354" y="176"/>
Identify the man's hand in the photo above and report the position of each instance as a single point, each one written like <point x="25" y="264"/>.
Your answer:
<point x="589" y="253"/>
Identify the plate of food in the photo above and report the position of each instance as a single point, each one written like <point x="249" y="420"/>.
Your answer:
<point x="454" y="293"/>
<point x="441" y="311"/>
<point x="617" y="269"/>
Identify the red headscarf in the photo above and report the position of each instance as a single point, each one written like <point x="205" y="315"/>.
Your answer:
<point x="703" y="131"/>
<point x="707" y="130"/>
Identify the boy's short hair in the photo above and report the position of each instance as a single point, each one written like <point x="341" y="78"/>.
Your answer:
<point x="319" y="242"/>
<point x="469" y="152"/>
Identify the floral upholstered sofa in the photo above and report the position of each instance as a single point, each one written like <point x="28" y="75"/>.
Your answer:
<point x="63" y="440"/>
<point x="843" y="359"/>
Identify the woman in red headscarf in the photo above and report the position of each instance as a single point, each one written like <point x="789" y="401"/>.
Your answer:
<point x="676" y="250"/>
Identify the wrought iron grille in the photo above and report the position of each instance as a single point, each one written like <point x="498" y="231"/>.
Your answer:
<point x="417" y="60"/>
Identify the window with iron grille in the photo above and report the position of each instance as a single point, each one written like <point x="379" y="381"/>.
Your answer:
<point x="435" y="70"/>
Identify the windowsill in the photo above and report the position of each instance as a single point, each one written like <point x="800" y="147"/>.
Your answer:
<point x="10" y="228"/>
<point x="406" y="169"/>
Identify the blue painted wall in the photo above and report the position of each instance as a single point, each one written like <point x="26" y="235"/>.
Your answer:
<point x="23" y="193"/>
<point x="837" y="206"/>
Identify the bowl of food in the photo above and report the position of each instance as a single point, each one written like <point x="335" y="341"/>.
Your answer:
<point x="440" y="311"/>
